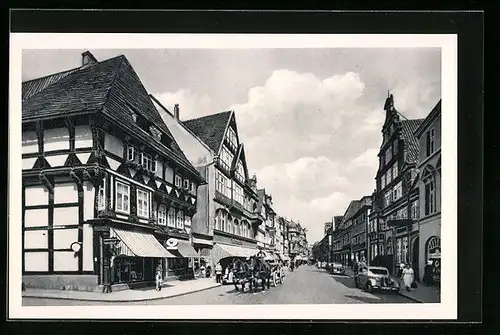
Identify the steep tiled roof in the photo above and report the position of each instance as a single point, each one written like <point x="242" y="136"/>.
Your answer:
<point x="408" y="127"/>
<point x="210" y="129"/>
<point x="354" y="206"/>
<point x="32" y="87"/>
<point x="337" y="220"/>
<point x="111" y="87"/>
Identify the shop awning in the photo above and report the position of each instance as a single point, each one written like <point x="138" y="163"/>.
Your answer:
<point x="186" y="249"/>
<point x="138" y="244"/>
<point x="202" y="241"/>
<point x="221" y="251"/>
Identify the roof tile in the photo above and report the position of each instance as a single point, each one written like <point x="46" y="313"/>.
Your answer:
<point x="210" y="128"/>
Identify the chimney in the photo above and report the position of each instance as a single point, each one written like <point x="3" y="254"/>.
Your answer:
<point x="176" y="111"/>
<point x="88" y="59"/>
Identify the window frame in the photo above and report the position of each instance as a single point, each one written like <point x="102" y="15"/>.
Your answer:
<point x="131" y="151"/>
<point x="178" y="180"/>
<point x="179" y="218"/>
<point x="127" y="187"/>
<point x="101" y="196"/>
<point x="171" y="218"/>
<point x="142" y="213"/>
<point x="163" y="217"/>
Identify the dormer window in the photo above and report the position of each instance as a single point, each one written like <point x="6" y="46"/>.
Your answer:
<point x="155" y="132"/>
<point x="131" y="153"/>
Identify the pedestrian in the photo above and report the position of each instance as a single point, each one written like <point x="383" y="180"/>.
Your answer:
<point x="407" y="276"/>
<point x="218" y="272"/>
<point x="159" y="278"/>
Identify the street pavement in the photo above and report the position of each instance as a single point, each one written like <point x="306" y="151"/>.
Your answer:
<point x="306" y="285"/>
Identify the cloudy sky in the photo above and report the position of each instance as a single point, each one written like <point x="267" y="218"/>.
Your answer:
<point x="310" y="119"/>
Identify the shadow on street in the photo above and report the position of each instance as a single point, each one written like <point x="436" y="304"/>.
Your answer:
<point x="345" y="280"/>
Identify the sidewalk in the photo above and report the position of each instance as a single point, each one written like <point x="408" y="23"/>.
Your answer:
<point x="422" y="294"/>
<point x="170" y="289"/>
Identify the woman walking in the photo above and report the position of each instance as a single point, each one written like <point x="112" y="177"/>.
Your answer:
<point x="159" y="278"/>
<point x="407" y="276"/>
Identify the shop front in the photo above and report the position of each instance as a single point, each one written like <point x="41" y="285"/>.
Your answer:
<point x="181" y="264"/>
<point x="134" y="257"/>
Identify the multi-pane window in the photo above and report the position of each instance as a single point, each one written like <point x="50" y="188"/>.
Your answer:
<point x="388" y="155"/>
<point x="180" y="220"/>
<point x="388" y="198"/>
<point x="142" y="203"/>
<point x="382" y="181"/>
<point x="388" y="176"/>
<point x="186" y="184"/>
<point x="221" y="184"/>
<point x="148" y="163"/>
<point x="395" y="170"/>
<point x="430" y="196"/>
<point x="240" y="172"/>
<point x="398" y="191"/>
<point x="162" y="215"/>
<point x="122" y="197"/>
<point x="187" y="221"/>
<point x="102" y="196"/>
<point x="415" y="210"/>
<point x="226" y="158"/>
<point x="130" y="153"/>
<point x="238" y="194"/>
<point x="171" y="217"/>
<point x="430" y="142"/>
<point x="231" y="134"/>
<point x="178" y="181"/>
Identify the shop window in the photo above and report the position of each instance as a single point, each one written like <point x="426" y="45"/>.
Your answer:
<point x="142" y="203"/>
<point x="122" y="197"/>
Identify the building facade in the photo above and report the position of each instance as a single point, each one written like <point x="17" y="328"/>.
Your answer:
<point x="429" y="188"/>
<point x="265" y="207"/>
<point x="359" y="241"/>
<point x="106" y="189"/>
<point x="231" y="198"/>
<point x="394" y="216"/>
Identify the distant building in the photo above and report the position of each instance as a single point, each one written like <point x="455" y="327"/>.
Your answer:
<point x="328" y="225"/>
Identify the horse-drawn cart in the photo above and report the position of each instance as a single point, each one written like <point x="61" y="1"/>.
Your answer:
<point x="257" y="272"/>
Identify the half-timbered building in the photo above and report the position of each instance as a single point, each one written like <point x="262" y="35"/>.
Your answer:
<point x="107" y="192"/>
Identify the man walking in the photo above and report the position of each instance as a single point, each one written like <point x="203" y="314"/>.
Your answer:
<point x="218" y="272"/>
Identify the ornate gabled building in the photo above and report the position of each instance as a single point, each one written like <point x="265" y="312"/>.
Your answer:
<point x="107" y="194"/>
<point x="429" y="185"/>
<point x="231" y="197"/>
<point x="395" y="203"/>
<point x="265" y="207"/>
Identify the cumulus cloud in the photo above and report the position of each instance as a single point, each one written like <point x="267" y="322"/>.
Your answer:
<point x="311" y="141"/>
<point x="366" y="159"/>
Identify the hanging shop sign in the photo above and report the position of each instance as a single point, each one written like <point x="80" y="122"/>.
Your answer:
<point x="172" y="243"/>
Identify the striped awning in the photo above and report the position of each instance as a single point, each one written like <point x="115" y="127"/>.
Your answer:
<point x="138" y="244"/>
<point x="221" y="251"/>
<point x="183" y="249"/>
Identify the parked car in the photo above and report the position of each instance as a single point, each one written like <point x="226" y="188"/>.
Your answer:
<point x="337" y="269"/>
<point x="375" y="278"/>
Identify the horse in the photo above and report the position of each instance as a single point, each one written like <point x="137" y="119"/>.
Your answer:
<point x="261" y="272"/>
<point x="241" y="274"/>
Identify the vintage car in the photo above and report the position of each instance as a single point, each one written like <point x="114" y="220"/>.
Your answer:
<point x="337" y="269"/>
<point x="375" y="278"/>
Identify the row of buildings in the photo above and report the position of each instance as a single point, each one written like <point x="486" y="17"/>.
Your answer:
<point x="115" y="185"/>
<point x="400" y="222"/>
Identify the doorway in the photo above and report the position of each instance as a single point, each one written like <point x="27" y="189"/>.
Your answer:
<point x="414" y="258"/>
